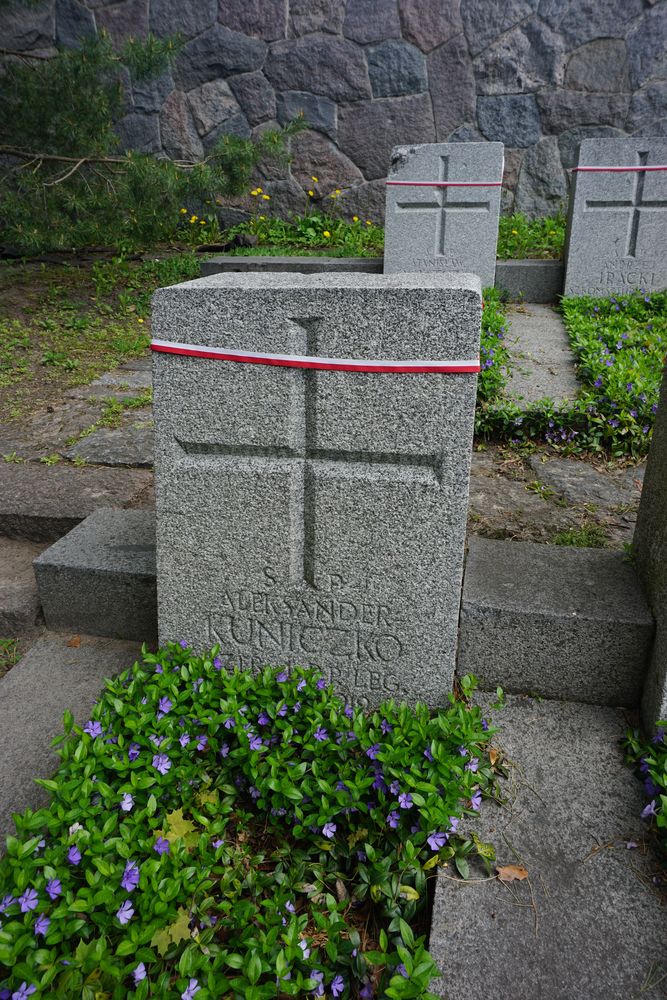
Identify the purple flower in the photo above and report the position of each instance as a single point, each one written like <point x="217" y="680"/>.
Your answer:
<point x="395" y="787"/>
<point x="254" y="792"/>
<point x="126" y="802"/>
<point x="321" y="684"/>
<point x="125" y="912"/>
<point x="28" y="901"/>
<point x="318" y="977"/>
<point x="472" y="765"/>
<point x="93" y="728"/>
<point x="24" y="991"/>
<point x="161" y="763"/>
<point x="41" y="925"/>
<point x="192" y="988"/>
<point x="202" y="742"/>
<point x="436" y="840"/>
<point x="282" y="711"/>
<point x="631" y="845"/>
<point x="405" y="800"/>
<point x="320" y="734"/>
<point x="297" y="707"/>
<point x="366" y="992"/>
<point x="255" y="743"/>
<point x="281" y="677"/>
<point x="476" y="800"/>
<point x="164" y="707"/>
<point x="156" y="740"/>
<point x="130" y="879"/>
<point x="161" y="846"/>
<point x="74" y="855"/>
<point x="463" y="751"/>
<point x="386" y="727"/>
<point x="428" y="754"/>
<point x="337" y="986"/>
<point x="159" y="669"/>
<point x="328" y="830"/>
<point x="139" y="973"/>
<point x="263" y="719"/>
<point x="229" y="723"/>
<point x="301" y="685"/>
<point x="453" y="824"/>
<point x="53" y="888"/>
<point x="647" y="812"/>
<point x="393" y="819"/>
<point x="218" y="842"/>
<point x="304" y="948"/>
<point x="372" y="752"/>
<point x="133" y="751"/>
<point x="184" y="739"/>
<point x="485" y="725"/>
<point x="402" y="971"/>
<point x="183" y="644"/>
<point x="224" y="750"/>
<point x="7" y="901"/>
<point x="217" y="663"/>
<point x="349" y="712"/>
<point x="598" y="382"/>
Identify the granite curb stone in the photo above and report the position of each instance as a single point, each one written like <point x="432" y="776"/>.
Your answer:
<point x="555" y="621"/>
<point x="524" y="280"/>
<point x="51" y="678"/>
<point x="100" y="578"/>
<point x="19" y="602"/>
<point x="588" y="921"/>
<point x="269" y="481"/>
<point x="650" y="550"/>
<point x="42" y="503"/>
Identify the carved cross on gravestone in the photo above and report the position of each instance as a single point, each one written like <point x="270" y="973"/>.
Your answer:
<point x="636" y="204"/>
<point x="442" y="204"/>
<point x="304" y="457"/>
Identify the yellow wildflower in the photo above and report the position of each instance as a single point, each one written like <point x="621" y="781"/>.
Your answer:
<point x="254" y="193"/>
<point x="193" y="219"/>
<point x="326" y="233"/>
<point x="315" y="179"/>
<point x="184" y="211"/>
<point x="259" y="190"/>
<point x="262" y="217"/>
<point x="203" y="222"/>
<point x="311" y="194"/>
<point x="368" y="222"/>
<point x="355" y="218"/>
<point x="337" y="190"/>
<point x="266" y="197"/>
<point x="515" y="232"/>
<point x="139" y="320"/>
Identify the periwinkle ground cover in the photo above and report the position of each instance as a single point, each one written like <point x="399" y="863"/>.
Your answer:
<point x="650" y="760"/>
<point x="619" y="344"/>
<point x="217" y="834"/>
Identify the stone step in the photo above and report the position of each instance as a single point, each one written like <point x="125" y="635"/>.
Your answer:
<point x="588" y="922"/>
<point x="51" y="678"/>
<point x="554" y="621"/>
<point x="19" y="601"/>
<point x="100" y="578"/>
<point x="42" y="503"/>
<point x="541" y="358"/>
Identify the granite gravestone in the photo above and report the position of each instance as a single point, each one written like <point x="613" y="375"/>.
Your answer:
<point x="315" y="517"/>
<point x="650" y="550"/>
<point x="443" y="204"/>
<point x="617" y="225"/>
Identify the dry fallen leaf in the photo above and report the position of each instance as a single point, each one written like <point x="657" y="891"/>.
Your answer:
<point x="75" y="641"/>
<point x="493" y="756"/>
<point x="508" y="873"/>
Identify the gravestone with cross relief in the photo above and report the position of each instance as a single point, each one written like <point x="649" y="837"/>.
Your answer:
<point x="442" y="208"/>
<point x="313" y="444"/>
<point x="617" y="225"/>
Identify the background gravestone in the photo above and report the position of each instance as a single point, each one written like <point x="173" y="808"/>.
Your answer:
<point x="650" y="549"/>
<point x="443" y="228"/>
<point x="317" y="517"/>
<point x="617" y="226"/>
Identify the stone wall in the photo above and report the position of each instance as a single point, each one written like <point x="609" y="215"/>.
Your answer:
<point x="538" y="75"/>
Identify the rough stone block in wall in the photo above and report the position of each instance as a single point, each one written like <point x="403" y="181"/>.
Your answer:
<point x="317" y="517"/>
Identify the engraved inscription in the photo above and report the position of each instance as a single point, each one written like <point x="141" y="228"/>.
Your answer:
<point x="443" y="202"/>
<point x="439" y="263"/>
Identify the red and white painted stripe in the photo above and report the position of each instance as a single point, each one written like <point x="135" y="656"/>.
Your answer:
<point x="445" y="184"/>
<point x="402" y="367"/>
<point x="617" y="170"/>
